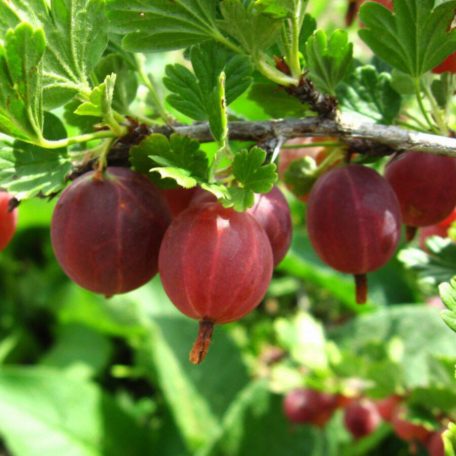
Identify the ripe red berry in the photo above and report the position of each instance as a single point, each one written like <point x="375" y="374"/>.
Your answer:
<point x="440" y="229"/>
<point x="215" y="265"/>
<point x="178" y="199"/>
<point x="361" y="418"/>
<point x="408" y="431"/>
<point x="353" y="220"/>
<point x="309" y="406"/>
<point x="8" y="220"/>
<point x="435" y="444"/>
<point x="271" y="211"/>
<point x="387" y="407"/>
<point x="425" y="185"/>
<point x="106" y="230"/>
<point x="447" y="66"/>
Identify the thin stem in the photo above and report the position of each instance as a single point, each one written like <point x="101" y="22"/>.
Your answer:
<point x="439" y="118"/>
<point x="294" y="63"/>
<point x="203" y="340"/>
<point x="274" y="74"/>
<point x="65" y="142"/>
<point x="332" y="158"/>
<point x="422" y="107"/>
<point x="147" y="81"/>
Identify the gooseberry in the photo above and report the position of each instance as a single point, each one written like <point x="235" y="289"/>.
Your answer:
<point x="353" y="221"/>
<point x="8" y="220"/>
<point x="107" y="228"/>
<point x="215" y="265"/>
<point x="361" y="418"/>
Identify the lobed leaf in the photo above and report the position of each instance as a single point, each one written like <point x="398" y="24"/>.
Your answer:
<point x="370" y="94"/>
<point x="328" y="59"/>
<point x="162" y="25"/>
<point x="414" y="38"/>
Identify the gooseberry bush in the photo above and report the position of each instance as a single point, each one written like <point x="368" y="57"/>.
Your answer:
<point x="235" y="228"/>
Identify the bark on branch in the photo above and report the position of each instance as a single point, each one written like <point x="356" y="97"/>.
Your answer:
<point x="362" y="136"/>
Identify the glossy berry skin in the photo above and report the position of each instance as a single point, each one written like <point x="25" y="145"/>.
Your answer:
<point x="8" y="220"/>
<point x="408" y="431"/>
<point x="425" y="185"/>
<point x="178" y="199"/>
<point x="387" y="407"/>
<point x="447" y="66"/>
<point x="271" y="211"/>
<point x="353" y="221"/>
<point x="215" y="263"/>
<point x="361" y="418"/>
<point x="308" y="406"/>
<point x="106" y="230"/>
<point x="435" y="444"/>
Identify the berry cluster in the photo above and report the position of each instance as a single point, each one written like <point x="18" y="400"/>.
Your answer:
<point x="354" y="214"/>
<point x="362" y="416"/>
<point x="112" y="231"/>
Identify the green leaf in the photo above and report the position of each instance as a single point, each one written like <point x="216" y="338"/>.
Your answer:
<point x="62" y="415"/>
<point x="76" y="36"/>
<point x="256" y="409"/>
<point x="162" y="25"/>
<point x="328" y="59"/>
<point x="252" y="173"/>
<point x="100" y="100"/>
<point x="254" y="30"/>
<point x="447" y="292"/>
<point x="27" y="171"/>
<point x="434" y="267"/>
<point x="415" y="38"/>
<point x="419" y="330"/>
<point x="278" y="8"/>
<point x="180" y="158"/>
<point x="21" y="112"/>
<point x="79" y="351"/>
<point x="193" y="93"/>
<point x="309" y="25"/>
<point x="369" y="93"/>
<point x="126" y="80"/>
<point x="276" y="102"/>
<point x="449" y="440"/>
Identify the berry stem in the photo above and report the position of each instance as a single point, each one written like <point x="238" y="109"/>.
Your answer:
<point x="202" y="342"/>
<point x="361" y="288"/>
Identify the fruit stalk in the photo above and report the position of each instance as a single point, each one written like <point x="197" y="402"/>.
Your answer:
<point x="202" y="342"/>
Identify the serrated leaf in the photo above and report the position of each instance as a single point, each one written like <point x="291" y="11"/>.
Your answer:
<point x="252" y="173"/>
<point x="192" y="93"/>
<point x="76" y="36"/>
<point x="370" y="94"/>
<point x="254" y="30"/>
<point x="100" y="100"/>
<point x="180" y="158"/>
<point x="415" y="38"/>
<point x="162" y="25"/>
<point x="434" y="267"/>
<point x="21" y="112"/>
<point x="278" y="8"/>
<point x="328" y="59"/>
<point x="27" y="170"/>
<point x="309" y="25"/>
<point x="447" y="292"/>
<point x="126" y="80"/>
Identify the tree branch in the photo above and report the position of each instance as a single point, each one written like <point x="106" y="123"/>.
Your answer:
<point x="360" y="135"/>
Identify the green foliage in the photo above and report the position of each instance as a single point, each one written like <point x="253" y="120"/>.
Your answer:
<point x="27" y="171"/>
<point x="434" y="267"/>
<point x="300" y="175"/>
<point x="448" y="294"/>
<point x="370" y="94"/>
<point x="76" y="36"/>
<point x="180" y="159"/>
<point x="21" y="111"/>
<point x="100" y="100"/>
<point x="252" y="176"/>
<point x="193" y="93"/>
<point x="162" y="25"/>
<point x="328" y="59"/>
<point x="415" y="38"/>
